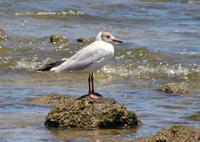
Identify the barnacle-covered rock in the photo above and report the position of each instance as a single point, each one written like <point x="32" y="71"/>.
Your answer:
<point x="90" y="114"/>
<point x="175" y="133"/>
<point x="58" y="39"/>
<point x="174" y="89"/>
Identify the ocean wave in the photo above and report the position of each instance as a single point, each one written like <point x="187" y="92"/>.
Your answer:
<point x="139" y="62"/>
<point x="50" y="13"/>
<point x="151" y="71"/>
<point x="30" y="64"/>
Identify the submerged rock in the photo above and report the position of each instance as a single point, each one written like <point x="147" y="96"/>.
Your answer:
<point x="2" y="35"/>
<point x="175" y="133"/>
<point x="81" y="40"/>
<point x="89" y="114"/>
<point x="54" y="99"/>
<point x="194" y="117"/>
<point x="58" y="39"/>
<point x="174" y="88"/>
<point x="85" y="40"/>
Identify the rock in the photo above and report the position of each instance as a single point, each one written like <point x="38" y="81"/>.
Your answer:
<point x="54" y="99"/>
<point x="81" y="40"/>
<point x="89" y="114"/>
<point x="174" y="88"/>
<point x="84" y="40"/>
<point x="194" y="117"/>
<point x="175" y="133"/>
<point x="58" y="39"/>
<point x="2" y="35"/>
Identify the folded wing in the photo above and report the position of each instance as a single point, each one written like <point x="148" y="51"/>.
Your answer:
<point x="81" y="60"/>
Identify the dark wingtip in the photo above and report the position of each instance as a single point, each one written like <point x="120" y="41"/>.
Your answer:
<point x="40" y="70"/>
<point x="48" y="67"/>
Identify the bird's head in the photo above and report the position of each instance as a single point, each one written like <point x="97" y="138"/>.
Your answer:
<point x="107" y="37"/>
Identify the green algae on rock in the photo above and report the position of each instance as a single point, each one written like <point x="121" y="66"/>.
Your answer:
<point x="58" y="39"/>
<point x="175" y="133"/>
<point x="174" y="89"/>
<point x="2" y="35"/>
<point x="89" y="114"/>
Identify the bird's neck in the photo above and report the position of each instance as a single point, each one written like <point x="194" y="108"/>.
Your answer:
<point x="106" y="45"/>
<point x="103" y="42"/>
<point x="98" y="37"/>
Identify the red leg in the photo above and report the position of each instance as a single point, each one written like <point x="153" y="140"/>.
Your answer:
<point x="92" y="80"/>
<point x="89" y="84"/>
<point x="92" y="93"/>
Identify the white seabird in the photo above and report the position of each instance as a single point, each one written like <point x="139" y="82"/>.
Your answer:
<point x="89" y="59"/>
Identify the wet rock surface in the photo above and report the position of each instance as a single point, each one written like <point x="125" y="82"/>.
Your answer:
<point x="2" y="35"/>
<point x="89" y="114"/>
<point x="58" y="39"/>
<point x="174" y="89"/>
<point x="175" y="133"/>
<point x="194" y="117"/>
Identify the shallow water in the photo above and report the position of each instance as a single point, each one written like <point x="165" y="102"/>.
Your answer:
<point x="161" y="46"/>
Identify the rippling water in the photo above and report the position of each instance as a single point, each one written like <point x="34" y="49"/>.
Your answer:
<point x="161" y="46"/>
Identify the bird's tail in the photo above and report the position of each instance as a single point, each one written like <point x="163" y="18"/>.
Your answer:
<point x="48" y="67"/>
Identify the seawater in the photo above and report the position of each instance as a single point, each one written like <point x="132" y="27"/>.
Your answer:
<point x="161" y="46"/>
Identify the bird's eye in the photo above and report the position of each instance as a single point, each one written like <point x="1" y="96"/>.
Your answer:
<point x="108" y="37"/>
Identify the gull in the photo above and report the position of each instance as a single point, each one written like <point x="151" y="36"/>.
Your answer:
<point x="89" y="59"/>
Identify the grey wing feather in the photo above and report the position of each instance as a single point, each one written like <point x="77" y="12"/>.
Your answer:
<point x="85" y="59"/>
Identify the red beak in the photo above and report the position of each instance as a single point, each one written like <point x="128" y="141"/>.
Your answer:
<point x="117" y="40"/>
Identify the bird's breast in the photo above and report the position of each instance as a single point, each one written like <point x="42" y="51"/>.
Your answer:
<point x="108" y="53"/>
